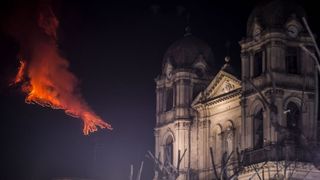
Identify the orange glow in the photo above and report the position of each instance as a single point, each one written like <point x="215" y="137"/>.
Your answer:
<point x="19" y="76"/>
<point x="41" y="90"/>
<point x="48" y="81"/>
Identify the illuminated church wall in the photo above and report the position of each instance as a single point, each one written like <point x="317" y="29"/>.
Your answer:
<point x="198" y="109"/>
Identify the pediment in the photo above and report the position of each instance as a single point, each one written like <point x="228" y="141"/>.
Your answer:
<point x="221" y="85"/>
<point x="224" y="86"/>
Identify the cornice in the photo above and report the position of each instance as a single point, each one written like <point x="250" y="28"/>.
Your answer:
<point x="224" y="97"/>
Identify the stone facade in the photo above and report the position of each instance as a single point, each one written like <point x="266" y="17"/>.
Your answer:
<point x="198" y="109"/>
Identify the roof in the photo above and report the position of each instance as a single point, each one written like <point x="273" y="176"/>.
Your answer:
<point x="183" y="53"/>
<point x="274" y="14"/>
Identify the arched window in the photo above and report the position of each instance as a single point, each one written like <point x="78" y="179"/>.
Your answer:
<point x="258" y="129"/>
<point x="168" y="150"/>
<point x="293" y="117"/>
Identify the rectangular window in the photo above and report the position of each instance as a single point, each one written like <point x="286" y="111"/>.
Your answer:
<point x="292" y="61"/>
<point x="257" y="64"/>
<point x="169" y="100"/>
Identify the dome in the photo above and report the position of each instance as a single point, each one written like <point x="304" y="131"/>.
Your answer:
<point x="185" y="52"/>
<point x="274" y="14"/>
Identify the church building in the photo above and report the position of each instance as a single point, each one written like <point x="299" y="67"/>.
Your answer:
<point x="262" y="124"/>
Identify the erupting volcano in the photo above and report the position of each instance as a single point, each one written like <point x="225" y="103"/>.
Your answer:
<point x="43" y="73"/>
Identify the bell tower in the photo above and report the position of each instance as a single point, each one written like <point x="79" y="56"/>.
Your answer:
<point x="277" y="72"/>
<point x="185" y="72"/>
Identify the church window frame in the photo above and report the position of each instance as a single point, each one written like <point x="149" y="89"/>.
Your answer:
<point x="293" y="116"/>
<point x="168" y="149"/>
<point x="169" y="99"/>
<point x="292" y="61"/>
<point x="258" y="63"/>
<point x="258" y="128"/>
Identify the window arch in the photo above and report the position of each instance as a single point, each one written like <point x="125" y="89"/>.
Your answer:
<point x="168" y="150"/>
<point x="293" y="116"/>
<point x="257" y="133"/>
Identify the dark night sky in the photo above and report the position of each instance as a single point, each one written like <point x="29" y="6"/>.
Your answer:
<point x="116" y="50"/>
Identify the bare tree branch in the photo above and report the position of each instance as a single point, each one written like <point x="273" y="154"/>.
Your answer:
<point x="213" y="164"/>
<point x="140" y="171"/>
<point x="131" y="172"/>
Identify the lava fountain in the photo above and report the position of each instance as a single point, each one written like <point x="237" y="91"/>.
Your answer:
<point x="43" y="73"/>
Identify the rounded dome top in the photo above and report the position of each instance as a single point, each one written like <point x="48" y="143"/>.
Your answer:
<point x="185" y="52"/>
<point x="274" y="14"/>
